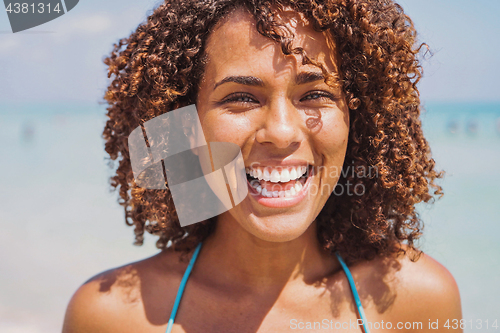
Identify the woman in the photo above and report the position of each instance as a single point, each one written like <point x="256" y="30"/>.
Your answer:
<point x="325" y="90"/>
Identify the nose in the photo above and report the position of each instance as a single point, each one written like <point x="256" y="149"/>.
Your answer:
<point x="281" y="125"/>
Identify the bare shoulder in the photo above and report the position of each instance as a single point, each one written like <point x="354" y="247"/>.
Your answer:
<point x="430" y="282"/>
<point x="95" y="305"/>
<point x="115" y="300"/>
<point x="402" y="288"/>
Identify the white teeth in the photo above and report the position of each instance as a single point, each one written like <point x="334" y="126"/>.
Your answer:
<point x="279" y="174"/>
<point x="275" y="176"/>
<point x="267" y="175"/>
<point x="266" y="193"/>
<point x="291" y="192"/>
<point x="285" y="176"/>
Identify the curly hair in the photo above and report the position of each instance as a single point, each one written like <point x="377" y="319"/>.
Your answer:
<point x="159" y="66"/>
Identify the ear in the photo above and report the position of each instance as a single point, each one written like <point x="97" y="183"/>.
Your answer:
<point x="195" y="136"/>
<point x="189" y="133"/>
<point x="187" y="117"/>
<point x="190" y="129"/>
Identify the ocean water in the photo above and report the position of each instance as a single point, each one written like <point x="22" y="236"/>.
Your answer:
<point x="60" y="224"/>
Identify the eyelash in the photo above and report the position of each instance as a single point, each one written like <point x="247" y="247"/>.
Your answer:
<point x="322" y="95"/>
<point x="235" y="97"/>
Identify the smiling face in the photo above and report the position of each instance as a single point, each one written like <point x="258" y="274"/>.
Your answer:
<point x="282" y="115"/>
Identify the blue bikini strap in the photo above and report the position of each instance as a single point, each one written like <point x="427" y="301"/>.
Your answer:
<point x="193" y="260"/>
<point x="354" y="292"/>
<point x="181" y="288"/>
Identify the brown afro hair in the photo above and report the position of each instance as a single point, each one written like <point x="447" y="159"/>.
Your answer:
<point x="158" y="69"/>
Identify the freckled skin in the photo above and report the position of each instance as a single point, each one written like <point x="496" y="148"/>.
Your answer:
<point x="263" y="267"/>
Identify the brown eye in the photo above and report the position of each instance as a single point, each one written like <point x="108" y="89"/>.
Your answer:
<point x="318" y="95"/>
<point x="240" y="98"/>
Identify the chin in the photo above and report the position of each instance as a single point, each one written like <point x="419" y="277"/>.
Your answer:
<point x="283" y="227"/>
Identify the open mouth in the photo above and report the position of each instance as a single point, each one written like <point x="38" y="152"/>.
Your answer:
<point x="278" y="182"/>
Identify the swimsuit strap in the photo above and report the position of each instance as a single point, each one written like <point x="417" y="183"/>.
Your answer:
<point x="193" y="260"/>
<point x="354" y="292"/>
<point x="181" y="288"/>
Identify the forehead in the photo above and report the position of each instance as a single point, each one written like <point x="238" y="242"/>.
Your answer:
<point x="235" y="43"/>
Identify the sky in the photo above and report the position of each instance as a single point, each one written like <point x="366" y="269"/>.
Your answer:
<point x="61" y="61"/>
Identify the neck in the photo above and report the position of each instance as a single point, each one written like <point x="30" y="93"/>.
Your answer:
<point x="234" y="256"/>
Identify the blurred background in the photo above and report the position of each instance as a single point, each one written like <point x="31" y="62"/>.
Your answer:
<point x="60" y="224"/>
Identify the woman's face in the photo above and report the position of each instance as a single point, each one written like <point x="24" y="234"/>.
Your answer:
<point x="283" y="116"/>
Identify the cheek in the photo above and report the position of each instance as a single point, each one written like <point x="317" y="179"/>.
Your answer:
<point x="226" y="128"/>
<point x="332" y="139"/>
<point x="331" y="143"/>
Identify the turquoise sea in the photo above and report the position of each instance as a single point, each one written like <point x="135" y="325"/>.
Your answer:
<point x="60" y="225"/>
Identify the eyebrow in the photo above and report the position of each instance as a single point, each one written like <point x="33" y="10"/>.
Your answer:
<point x="308" y="77"/>
<point x="246" y="80"/>
<point x="301" y="78"/>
